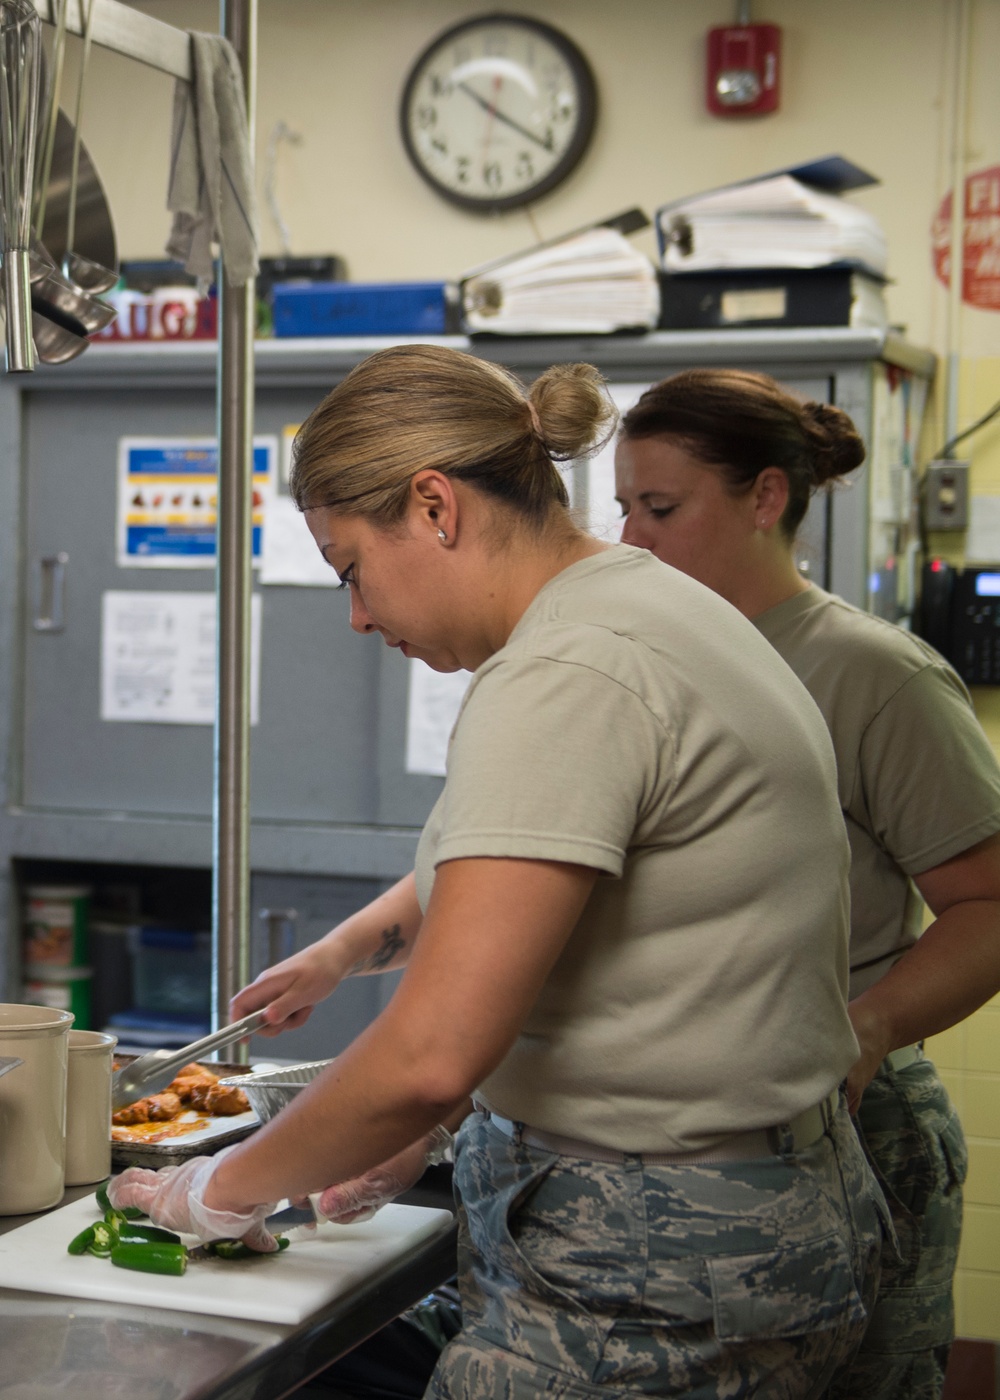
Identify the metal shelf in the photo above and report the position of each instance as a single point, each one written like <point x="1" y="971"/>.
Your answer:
<point x="315" y="362"/>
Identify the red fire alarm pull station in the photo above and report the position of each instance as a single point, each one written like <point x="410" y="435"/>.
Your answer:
<point x="744" y="64"/>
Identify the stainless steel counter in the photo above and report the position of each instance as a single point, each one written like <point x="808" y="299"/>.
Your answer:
<point x="52" y="1347"/>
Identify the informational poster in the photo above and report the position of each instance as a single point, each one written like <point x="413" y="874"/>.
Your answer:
<point x="290" y="552"/>
<point x="434" y="702"/>
<point x="168" y="496"/>
<point x="158" y="657"/>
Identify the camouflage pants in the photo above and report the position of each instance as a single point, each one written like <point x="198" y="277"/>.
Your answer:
<point x="582" y="1280"/>
<point x="914" y="1142"/>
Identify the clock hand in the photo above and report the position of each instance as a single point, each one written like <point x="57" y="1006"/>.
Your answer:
<point x="491" y="114"/>
<point x="508" y="121"/>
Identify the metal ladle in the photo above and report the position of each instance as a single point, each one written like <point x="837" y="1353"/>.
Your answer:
<point x="62" y="316"/>
<point x="87" y="274"/>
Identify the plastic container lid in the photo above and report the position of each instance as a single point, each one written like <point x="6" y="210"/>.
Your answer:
<point x="138" y="1020"/>
<point x="174" y="939"/>
<point x="58" y="891"/>
<point x="54" y="972"/>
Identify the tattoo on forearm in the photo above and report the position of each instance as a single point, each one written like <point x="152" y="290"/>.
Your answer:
<point x="392" y="943"/>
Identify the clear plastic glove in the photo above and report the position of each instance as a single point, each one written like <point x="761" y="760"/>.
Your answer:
<point x="173" y="1198"/>
<point x="358" y="1199"/>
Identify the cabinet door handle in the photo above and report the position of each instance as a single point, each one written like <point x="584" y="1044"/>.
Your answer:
<point x="50" y="614"/>
<point x="279" y="941"/>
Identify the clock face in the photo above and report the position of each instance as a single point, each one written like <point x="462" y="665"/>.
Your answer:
<point x="498" y="111"/>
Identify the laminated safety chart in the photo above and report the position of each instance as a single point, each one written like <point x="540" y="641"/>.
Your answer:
<point x="167" y="500"/>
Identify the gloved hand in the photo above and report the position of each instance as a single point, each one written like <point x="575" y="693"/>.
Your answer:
<point x="350" y="1202"/>
<point x="173" y="1198"/>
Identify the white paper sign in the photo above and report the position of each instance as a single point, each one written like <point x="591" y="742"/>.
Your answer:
<point x="434" y="702"/>
<point x="604" y="518"/>
<point x="982" y="543"/>
<point x="290" y="553"/>
<point x="158" y="657"/>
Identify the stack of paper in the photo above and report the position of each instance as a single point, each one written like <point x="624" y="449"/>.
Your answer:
<point x="774" y="222"/>
<point x="591" y="282"/>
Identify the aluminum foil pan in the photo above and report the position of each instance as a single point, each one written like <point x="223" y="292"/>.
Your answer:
<point x="272" y="1090"/>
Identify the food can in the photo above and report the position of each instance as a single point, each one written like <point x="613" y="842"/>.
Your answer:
<point x="61" y="988"/>
<point x="56" y="925"/>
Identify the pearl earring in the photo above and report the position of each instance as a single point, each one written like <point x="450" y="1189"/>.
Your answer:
<point x="442" y="536"/>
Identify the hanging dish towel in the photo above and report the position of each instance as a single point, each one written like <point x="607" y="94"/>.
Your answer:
<point x="211" y="192"/>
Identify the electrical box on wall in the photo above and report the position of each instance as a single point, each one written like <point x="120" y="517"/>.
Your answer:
<point x="743" y="76"/>
<point x="946" y="496"/>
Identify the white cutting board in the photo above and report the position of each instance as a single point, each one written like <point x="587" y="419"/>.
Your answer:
<point x="286" y="1287"/>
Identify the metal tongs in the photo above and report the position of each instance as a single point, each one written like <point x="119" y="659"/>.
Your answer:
<point x="153" y="1072"/>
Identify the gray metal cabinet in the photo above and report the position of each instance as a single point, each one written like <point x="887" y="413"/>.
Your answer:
<point x="330" y="796"/>
<point x="312" y="760"/>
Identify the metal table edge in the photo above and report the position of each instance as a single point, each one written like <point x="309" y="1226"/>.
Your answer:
<point x="342" y="1325"/>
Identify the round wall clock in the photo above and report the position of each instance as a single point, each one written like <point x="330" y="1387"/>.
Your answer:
<point x="497" y="111"/>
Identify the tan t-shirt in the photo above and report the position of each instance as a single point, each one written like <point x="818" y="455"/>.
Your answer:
<point x="637" y="724"/>
<point x="918" y="780"/>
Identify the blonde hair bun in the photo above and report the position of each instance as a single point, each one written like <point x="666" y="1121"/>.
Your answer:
<point x="575" y="412"/>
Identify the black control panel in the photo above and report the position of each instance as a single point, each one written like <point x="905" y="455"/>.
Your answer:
<point x="960" y="617"/>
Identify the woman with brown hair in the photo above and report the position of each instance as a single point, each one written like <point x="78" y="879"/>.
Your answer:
<point x="606" y="945"/>
<point x="714" y="472"/>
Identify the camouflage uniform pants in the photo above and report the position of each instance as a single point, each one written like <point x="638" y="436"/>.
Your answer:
<point x="582" y="1280"/>
<point x="914" y="1142"/>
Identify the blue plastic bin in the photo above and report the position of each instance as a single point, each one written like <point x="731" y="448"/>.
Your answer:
<point x="359" y="308"/>
<point x="172" y="971"/>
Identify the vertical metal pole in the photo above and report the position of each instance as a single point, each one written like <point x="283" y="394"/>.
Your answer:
<point x="959" y="114"/>
<point x="234" y="412"/>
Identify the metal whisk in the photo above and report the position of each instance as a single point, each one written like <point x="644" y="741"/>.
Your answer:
<point x="20" y="66"/>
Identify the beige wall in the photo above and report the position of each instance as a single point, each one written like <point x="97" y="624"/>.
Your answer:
<point x="866" y="78"/>
<point x="863" y="77"/>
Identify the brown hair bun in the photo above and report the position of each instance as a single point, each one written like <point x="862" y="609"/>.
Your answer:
<point x="838" y="447"/>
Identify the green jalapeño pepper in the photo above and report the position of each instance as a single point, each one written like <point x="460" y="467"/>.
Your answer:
<point x="151" y="1257"/>
<point x="124" y="1229"/>
<point x="105" y="1238"/>
<point x="81" y="1242"/>
<point x="130" y="1233"/>
<point x="239" y="1249"/>
<point x="129" y="1212"/>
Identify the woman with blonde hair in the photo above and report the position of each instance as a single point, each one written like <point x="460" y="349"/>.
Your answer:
<point x="624" y="938"/>
<point x="714" y="472"/>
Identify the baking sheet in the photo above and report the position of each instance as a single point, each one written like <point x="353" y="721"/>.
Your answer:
<point x="216" y="1134"/>
<point x="282" y="1288"/>
<point x="211" y="1137"/>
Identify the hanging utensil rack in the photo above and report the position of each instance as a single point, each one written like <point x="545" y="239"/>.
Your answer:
<point x="168" y="49"/>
